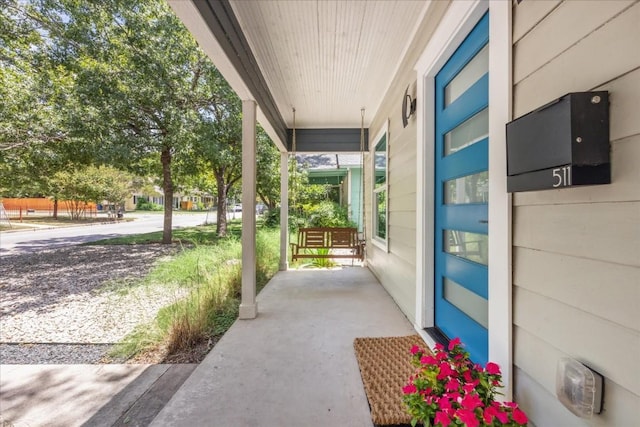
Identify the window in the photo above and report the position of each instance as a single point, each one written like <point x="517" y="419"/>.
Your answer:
<point x="380" y="194"/>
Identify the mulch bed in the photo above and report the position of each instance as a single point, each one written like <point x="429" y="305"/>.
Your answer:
<point x="385" y="367"/>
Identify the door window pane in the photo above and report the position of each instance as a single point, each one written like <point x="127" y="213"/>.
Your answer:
<point x="471" y="73"/>
<point x="467" y="189"/>
<point x="467" y="133"/>
<point x="469" y="302"/>
<point x="471" y="246"/>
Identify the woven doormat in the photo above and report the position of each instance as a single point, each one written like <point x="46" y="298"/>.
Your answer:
<point x="385" y="367"/>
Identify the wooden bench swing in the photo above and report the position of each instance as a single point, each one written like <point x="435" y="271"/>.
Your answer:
<point x="344" y="240"/>
<point x="328" y="238"/>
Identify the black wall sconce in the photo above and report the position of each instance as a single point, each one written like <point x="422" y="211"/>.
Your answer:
<point x="408" y="107"/>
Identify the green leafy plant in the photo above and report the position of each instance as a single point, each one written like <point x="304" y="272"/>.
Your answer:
<point x="327" y="214"/>
<point x="207" y="275"/>
<point x="448" y="389"/>
<point x="321" y="261"/>
<point x="145" y="205"/>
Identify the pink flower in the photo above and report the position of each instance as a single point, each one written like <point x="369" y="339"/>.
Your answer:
<point x="455" y="396"/>
<point x="468" y="418"/>
<point x="409" y="389"/>
<point x="428" y="360"/>
<point x="442" y="356"/>
<point x="445" y="371"/>
<point x="471" y="401"/>
<point x="493" y="368"/>
<point x="452" y="385"/>
<point x="468" y="388"/>
<point x="442" y="418"/>
<point x="488" y="414"/>
<point x="519" y="417"/>
<point x="503" y="417"/>
<point x="457" y="391"/>
<point x="453" y="343"/>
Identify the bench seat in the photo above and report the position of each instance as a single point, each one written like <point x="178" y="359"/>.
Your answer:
<point x="329" y="238"/>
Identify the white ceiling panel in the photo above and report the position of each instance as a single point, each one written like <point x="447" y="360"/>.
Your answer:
<point x="328" y="58"/>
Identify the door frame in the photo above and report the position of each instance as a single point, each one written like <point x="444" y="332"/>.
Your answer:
<point x="458" y="21"/>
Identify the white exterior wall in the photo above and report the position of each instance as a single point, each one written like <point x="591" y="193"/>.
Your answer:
<point x="576" y="251"/>
<point x="395" y="268"/>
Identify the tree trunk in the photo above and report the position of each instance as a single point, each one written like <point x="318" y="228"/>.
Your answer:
<point x="167" y="187"/>
<point x="221" y="223"/>
<point x="55" y="208"/>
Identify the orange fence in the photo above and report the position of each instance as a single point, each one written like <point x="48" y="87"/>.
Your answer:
<point x="19" y="207"/>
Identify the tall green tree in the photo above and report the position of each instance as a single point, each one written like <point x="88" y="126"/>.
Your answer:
<point x="268" y="170"/>
<point x="220" y="145"/>
<point x="142" y="85"/>
<point x="125" y="84"/>
<point x="34" y="142"/>
<point x="91" y="184"/>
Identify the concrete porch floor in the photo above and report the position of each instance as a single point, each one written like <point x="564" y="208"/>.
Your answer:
<point x="294" y="365"/>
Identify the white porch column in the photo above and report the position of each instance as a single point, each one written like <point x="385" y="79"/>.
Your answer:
<point x="284" y="210"/>
<point x="248" y="305"/>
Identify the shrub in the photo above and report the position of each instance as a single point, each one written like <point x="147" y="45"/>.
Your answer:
<point x="144" y="204"/>
<point x="213" y="276"/>
<point x="327" y="214"/>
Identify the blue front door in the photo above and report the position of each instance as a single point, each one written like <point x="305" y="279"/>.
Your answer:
<point x="461" y="193"/>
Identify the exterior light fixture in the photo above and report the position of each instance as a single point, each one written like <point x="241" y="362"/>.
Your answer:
<point x="579" y="388"/>
<point x="408" y="107"/>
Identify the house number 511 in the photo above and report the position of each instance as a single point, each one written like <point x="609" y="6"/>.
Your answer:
<point x="562" y="176"/>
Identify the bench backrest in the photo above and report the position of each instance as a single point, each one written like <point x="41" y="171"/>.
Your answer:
<point x="328" y="237"/>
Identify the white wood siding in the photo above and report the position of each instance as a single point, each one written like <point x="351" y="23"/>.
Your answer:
<point x="396" y="269"/>
<point x="576" y="256"/>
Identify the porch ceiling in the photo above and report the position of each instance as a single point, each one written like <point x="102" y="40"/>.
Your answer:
<point x="325" y="58"/>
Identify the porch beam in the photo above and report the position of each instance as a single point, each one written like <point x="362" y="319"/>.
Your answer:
<point x="225" y="27"/>
<point x="248" y="305"/>
<point x="334" y="140"/>
<point x="284" y="210"/>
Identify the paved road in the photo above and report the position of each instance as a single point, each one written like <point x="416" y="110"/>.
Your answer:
<point x="32" y="240"/>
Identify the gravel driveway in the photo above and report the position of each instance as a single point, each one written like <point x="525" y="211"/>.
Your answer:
<point x="69" y="305"/>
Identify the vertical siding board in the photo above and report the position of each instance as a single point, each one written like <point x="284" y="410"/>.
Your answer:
<point x="594" y="54"/>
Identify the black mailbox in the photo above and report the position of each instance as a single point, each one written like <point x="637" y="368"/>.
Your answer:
<point x="562" y="144"/>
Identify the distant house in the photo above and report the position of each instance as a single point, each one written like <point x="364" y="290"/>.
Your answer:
<point x="343" y="171"/>
<point x="194" y="200"/>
